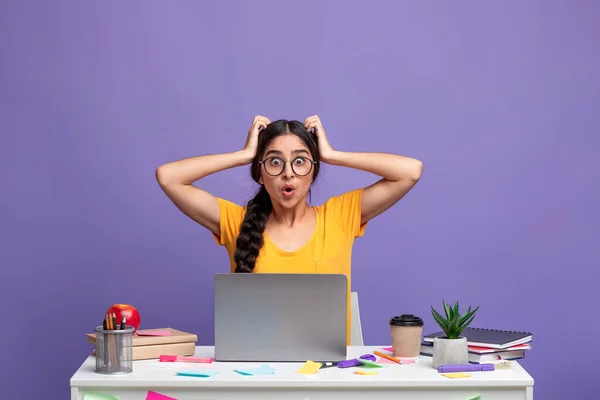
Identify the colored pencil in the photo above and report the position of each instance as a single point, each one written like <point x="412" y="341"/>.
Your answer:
<point x="394" y="359"/>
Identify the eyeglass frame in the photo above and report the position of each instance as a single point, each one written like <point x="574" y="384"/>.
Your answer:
<point x="312" y="163"/>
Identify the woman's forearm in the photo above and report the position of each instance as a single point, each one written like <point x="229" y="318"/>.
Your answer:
<point x="391" y="167"/>
<point x="188" y="170"/>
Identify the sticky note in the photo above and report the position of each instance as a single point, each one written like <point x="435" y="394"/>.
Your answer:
<point x="310" y="367"/>
<point x="262" y="370"/>
<point x="390" y="349"/>
<point x="369" y="364"/>
<point x="365" y="373"/>
<point x="382" y="360"/>
<point x="478" y="397"/>
<point x="197" y="372"/>
<point x="157" y="396"/>
<point x="456" y="375"/>
<point x="156" y="332"/>
<point x="99" y="396"/>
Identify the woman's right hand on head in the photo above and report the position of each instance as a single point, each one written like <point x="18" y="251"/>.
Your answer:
<point x="258" y="123"/>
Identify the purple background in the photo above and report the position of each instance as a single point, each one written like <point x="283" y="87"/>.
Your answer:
<point x="499" y="99"/>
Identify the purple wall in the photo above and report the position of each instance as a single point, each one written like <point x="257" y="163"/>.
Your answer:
<point x="500" y="100"/>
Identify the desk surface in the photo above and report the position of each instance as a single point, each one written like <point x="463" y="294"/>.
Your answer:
<point x="152" y="373"/>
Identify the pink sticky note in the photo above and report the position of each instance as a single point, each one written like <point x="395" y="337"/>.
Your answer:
<point x="157" y="396"/>
<point x="383" y="360"/>
<point x="390" y="349"/>
<point x="157" y="332"/>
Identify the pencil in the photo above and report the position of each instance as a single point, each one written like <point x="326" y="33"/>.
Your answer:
<point x="394" y="359"/>
<point x="117" y="339"/>
<point x="105" y="347"/>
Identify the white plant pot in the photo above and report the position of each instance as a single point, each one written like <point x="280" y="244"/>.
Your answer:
<point x="450" y="351"/>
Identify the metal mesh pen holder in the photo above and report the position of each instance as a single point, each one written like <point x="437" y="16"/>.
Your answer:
<point x="114" y="351"/>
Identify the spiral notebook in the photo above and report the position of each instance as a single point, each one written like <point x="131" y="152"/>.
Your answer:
<point x="494" y="338"/>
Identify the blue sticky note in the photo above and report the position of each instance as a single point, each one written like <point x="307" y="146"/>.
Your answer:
<point x="262" y="370"/>
<point x="197" y="372"/>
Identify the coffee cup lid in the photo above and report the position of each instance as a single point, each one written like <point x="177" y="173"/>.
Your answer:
<point x="406" y="320"/>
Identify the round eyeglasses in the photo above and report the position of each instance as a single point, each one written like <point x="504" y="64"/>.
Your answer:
<point x="274" y="166"/>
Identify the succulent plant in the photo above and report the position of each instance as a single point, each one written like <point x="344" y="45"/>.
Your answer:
<point x="454" y="323"/>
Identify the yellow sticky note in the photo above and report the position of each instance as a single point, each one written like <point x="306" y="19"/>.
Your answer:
<point x="456" y="375"/>
<point x="365" y="373"/>
<point x="310" y="367"/>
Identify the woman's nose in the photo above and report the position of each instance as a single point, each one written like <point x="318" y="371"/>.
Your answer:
<point x="287" y="170"/>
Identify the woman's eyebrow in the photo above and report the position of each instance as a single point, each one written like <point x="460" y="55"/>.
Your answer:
<point x="279" y="152"/>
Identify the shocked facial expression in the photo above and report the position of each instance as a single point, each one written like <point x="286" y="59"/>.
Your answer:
<point x="287" y="170"/>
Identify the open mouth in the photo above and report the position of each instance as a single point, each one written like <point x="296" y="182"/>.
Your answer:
<point x="288" y="190"/>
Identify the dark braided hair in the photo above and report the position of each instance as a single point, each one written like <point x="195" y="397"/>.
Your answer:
<point x="258" y="209"/>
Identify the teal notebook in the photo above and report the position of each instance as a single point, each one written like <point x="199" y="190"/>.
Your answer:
<point x="494" y="338"/>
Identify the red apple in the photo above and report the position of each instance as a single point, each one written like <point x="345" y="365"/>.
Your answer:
<point x="131" y="314"/>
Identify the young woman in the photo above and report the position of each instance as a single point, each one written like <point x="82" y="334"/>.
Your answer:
<point x="278" y="231"/>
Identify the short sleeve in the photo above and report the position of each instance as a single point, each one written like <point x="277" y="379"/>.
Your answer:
<point x="346" y="210"/>
<point x="231" y="217"/>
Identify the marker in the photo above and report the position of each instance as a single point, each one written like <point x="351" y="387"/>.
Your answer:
<point x="354" y="362"/>
<point x="465" y="367"/>
<point x="328" y="364"/>
<point x="123" y="324"/>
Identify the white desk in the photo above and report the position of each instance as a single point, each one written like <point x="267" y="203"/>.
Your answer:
<point x="417" y="381"/>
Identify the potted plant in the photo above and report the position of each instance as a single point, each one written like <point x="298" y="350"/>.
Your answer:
<point x="451" y="348"/>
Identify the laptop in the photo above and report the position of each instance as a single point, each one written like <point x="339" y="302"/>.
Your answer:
<point x="266" y="317"/>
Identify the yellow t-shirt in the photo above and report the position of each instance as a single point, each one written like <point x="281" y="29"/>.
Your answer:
<point x="328" y="251"/>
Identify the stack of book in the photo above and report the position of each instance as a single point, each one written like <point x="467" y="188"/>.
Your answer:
<point x="151" y="343"/>
<point x="487" y="345"/>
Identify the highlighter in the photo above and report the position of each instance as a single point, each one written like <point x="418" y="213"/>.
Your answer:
<point x="170" y="358"/>
<point x="354" y="362"/>
<point x="465" y="367"/>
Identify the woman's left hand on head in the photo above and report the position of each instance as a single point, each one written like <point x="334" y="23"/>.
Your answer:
<point x="314" y="124"/>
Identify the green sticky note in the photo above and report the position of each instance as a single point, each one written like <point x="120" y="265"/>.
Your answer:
<point x="478" y="397"/>
<point x="99" y="396"/>
<point x="369" y="364"/>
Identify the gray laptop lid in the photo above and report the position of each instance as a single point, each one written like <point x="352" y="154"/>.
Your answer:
<point x="280" y="317"/>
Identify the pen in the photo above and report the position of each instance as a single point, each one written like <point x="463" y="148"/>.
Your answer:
<point x="465" y="367"/>
<point x="122" y="327"/>
<point x="394" y="359"/>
